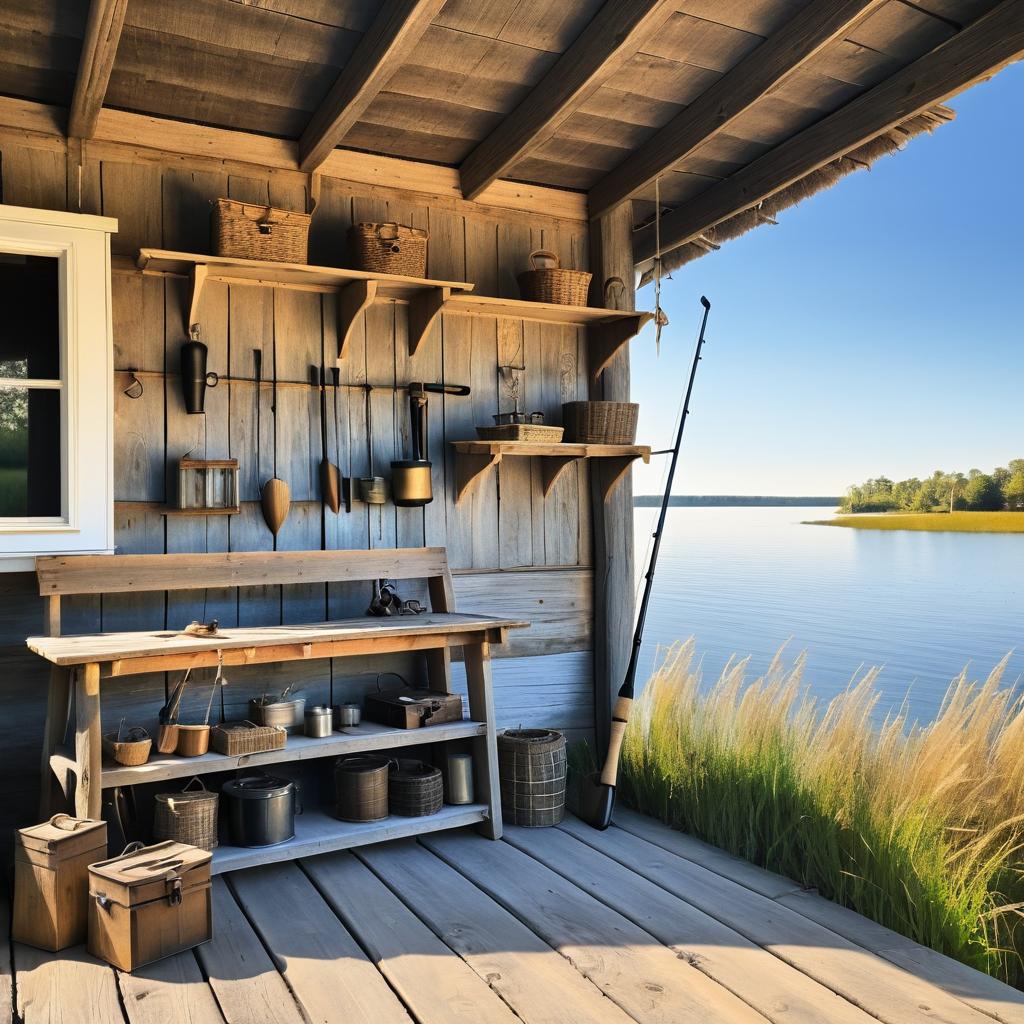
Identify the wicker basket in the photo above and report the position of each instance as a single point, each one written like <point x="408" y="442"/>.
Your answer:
<point x="415" y="788"/>
<point x="254" y="232"/>
<point x="389" y="249"/>
<point x="532" y="768"/>
<point x="551" y="283"/>
<point x="187" y="817"/>
<point x="361" y="788"/>
<point x="130" y="751"/>
<point x="539" y="432"/>
<point x="600" y="422"/>
<point x="235" y="738"/>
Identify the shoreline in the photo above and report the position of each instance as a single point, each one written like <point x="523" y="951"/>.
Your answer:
<point x="928" y="522"/>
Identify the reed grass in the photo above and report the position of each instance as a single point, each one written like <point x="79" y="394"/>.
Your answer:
<point x="932" y="522"/>
<point x="917" y="827"/>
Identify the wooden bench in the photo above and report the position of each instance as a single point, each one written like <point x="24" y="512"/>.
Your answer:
<point x="82" y="662"/>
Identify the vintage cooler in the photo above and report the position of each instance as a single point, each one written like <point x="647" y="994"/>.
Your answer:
<point x="149" y="904"/>
<point x="51" y="880"/>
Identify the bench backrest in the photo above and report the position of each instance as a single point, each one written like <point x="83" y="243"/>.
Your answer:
<point x="117" y="574"/>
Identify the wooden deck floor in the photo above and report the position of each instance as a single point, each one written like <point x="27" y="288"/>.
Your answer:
<point x="549" y="926"/>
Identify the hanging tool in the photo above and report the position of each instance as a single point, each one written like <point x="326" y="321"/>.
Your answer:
<point x="372" y="489"/>
<point x="597" y="790"/>
<point x="275" y="495"/>
<point x="410" y="478"/>
<point x="330" y="482"/>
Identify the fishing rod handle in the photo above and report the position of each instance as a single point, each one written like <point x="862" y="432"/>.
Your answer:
<point x="620" y="717"/>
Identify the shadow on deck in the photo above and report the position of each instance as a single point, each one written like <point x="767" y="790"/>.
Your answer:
<point x="550" y="926"/>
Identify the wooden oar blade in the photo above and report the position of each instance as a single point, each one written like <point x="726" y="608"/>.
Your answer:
<point x="330" y="485"/>
<point x="275" y="498"/>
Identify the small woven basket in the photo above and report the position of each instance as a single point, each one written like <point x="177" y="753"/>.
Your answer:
<point x="532" y="770"/>
<point x="361" y="788"/>
<point x="600" y="422"/>
<point x="254" y="232"/>
<point x="131" y="751"/>
<point x="521" y="432"/>
<point x="389" y="249"/>
<point x="235" y="738"/>
<point x="187" y="817"/>
<point x="415" y="788"/>
<point x="551" y="283"/>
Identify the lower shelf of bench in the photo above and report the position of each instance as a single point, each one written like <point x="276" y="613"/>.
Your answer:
<point x="366" y="736"/>
<point x="317" y="832"/>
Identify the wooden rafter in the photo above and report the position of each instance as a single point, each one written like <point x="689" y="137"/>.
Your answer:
<point x="99" y="47"/>
<point x="803" y="36"/>
<point x="614" y="35"/>
<point x="388" y="42"/>
<point x="988" y="44"/>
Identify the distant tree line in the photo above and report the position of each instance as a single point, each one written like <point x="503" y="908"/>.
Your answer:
<point x="1001" y="489"/>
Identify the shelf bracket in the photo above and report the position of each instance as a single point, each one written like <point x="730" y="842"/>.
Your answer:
<point x="196" y="279"/>
<point x="423" y="309"/>
<point x="552" y="467"/>
<point x="353" y="299"/>
<point x="607" y="338"/>
<point x="469" y="468"/>
<point x="611" y="472"/>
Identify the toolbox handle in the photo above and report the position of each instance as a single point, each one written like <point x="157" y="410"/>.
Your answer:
<point x="62" y="821"/>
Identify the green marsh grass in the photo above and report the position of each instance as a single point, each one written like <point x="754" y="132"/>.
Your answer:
<point x="933" y="522"/>
<point x="917" y="827"/>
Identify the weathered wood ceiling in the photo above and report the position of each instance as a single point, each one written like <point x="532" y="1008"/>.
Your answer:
<point x="601" y="97"/>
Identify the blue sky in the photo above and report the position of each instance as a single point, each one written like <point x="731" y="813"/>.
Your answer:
<point x="877" y="329"/>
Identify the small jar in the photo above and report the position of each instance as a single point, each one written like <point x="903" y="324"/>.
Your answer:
<point x="347" y="716"/>
<point x="318" y="721"/>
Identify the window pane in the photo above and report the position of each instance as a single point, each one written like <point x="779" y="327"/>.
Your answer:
<point x="30" y="432"/>
<point x="30" y="325"/>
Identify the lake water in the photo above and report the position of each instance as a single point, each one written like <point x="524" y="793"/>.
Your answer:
<point x="920" y="605"/>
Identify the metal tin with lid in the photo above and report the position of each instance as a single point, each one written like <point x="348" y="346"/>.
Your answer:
<point x="261" y="810"/>
<point x="319" y="721"/>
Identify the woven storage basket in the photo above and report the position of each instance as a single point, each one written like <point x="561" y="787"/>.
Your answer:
<point x="254" y="232"/>
<point x="389" y="249"/>
<point x="361" y="788"/>
<point x="415" y="788"/>
<point x="531" y="768"/>
<point x="234" y="738"/>
<point x="187" y="817"/>
<point x="600" y="422"/>
<point x="131" y="751"/>
<point x="552" y="283"/>
<point x="521" y="432"/>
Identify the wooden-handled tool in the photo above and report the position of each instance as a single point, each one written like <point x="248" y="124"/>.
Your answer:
<point x="275" y="495"/>
<point x="330" y="479"/>
<point x="597" y="791"/>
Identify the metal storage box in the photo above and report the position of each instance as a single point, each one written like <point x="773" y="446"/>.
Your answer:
<point x="407" y="708"/>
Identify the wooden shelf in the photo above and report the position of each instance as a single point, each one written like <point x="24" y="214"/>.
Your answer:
<point x="317" y="832"/>
<point x="474" y="458"/>
<point x="366" y="736"/>
<point x="170" y="511"/>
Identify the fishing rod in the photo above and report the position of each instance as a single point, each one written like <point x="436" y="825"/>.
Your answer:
<point x="597" y="791"/>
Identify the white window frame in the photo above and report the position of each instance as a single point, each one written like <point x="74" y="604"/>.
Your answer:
<point x="81" y="244"/>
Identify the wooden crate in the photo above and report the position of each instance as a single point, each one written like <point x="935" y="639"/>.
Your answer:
<point x="208" y="485"/>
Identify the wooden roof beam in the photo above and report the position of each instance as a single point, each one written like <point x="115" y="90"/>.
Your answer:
<point x="99" y="48"/>
<point x="387" y="44"/>
<point x="978" y="51"/>
<point x="803" y="36"/>
<point x="614" y="35"/>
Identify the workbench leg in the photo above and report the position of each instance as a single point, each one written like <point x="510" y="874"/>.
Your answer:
<point x="485" y="748"/>
<point x="88" y="742"/>
<point x="58" y="710"/>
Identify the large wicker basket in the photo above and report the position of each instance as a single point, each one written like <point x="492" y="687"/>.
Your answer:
<point x="254" y="232"/>
<point x="549" y="282"/>
<point x="361" y="788"/>
<point x="236" y="738"/>
<point x="389" y="249"/>
<point x="415" y="789"/>
<point x="187" y="817"/>
<point x="600" y="422"/>
<point x="532" y="770"/>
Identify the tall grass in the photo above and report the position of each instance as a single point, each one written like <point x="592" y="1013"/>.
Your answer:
<point x="917" y="827"/>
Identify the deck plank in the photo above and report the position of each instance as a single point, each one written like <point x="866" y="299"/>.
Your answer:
<point x="241" y="974"/>
<point x="771" y="986"/>
<point x="540" y="986"/>
<point x="876" y="985"/>
<point x="647" y="980"/>
<point x="173" y="989"/>
<point x="69" y="987"/>
<point x="321" y="962"/>
<point x="432" y="981"/>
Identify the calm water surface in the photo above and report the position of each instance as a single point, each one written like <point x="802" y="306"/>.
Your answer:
<point x="920" y="605"/>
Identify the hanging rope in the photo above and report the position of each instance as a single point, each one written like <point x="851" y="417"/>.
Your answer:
<point x="660" y="317"/>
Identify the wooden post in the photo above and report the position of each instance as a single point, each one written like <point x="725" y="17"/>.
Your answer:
<point x="88" y="742"/>
<point x="485" y="748"/>
<point x="58" y="710"/>
<point x="611" y="255"/>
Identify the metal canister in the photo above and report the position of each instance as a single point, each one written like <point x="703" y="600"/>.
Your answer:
<point x="347" y="715"/>
<point x="319" y="721"/>
<point x="459" y="779"/>
<point x="261" y="810"/>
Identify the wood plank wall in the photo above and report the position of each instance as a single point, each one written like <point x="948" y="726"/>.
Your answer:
<point x="514" y="550"/>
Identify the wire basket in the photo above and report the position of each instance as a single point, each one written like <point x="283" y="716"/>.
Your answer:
<point x="389" y="248"/>
<point x="235" y="738"/>
<point x="551" y="283"/>
<point x="532" y="770"/>
<point x="600" y="422"/>
<point x="254" y="232"/>
<point x="415" y="788"/>
<point x="189" y="816"/>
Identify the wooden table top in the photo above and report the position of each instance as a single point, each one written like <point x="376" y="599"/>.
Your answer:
<point x="100" y="648"/>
